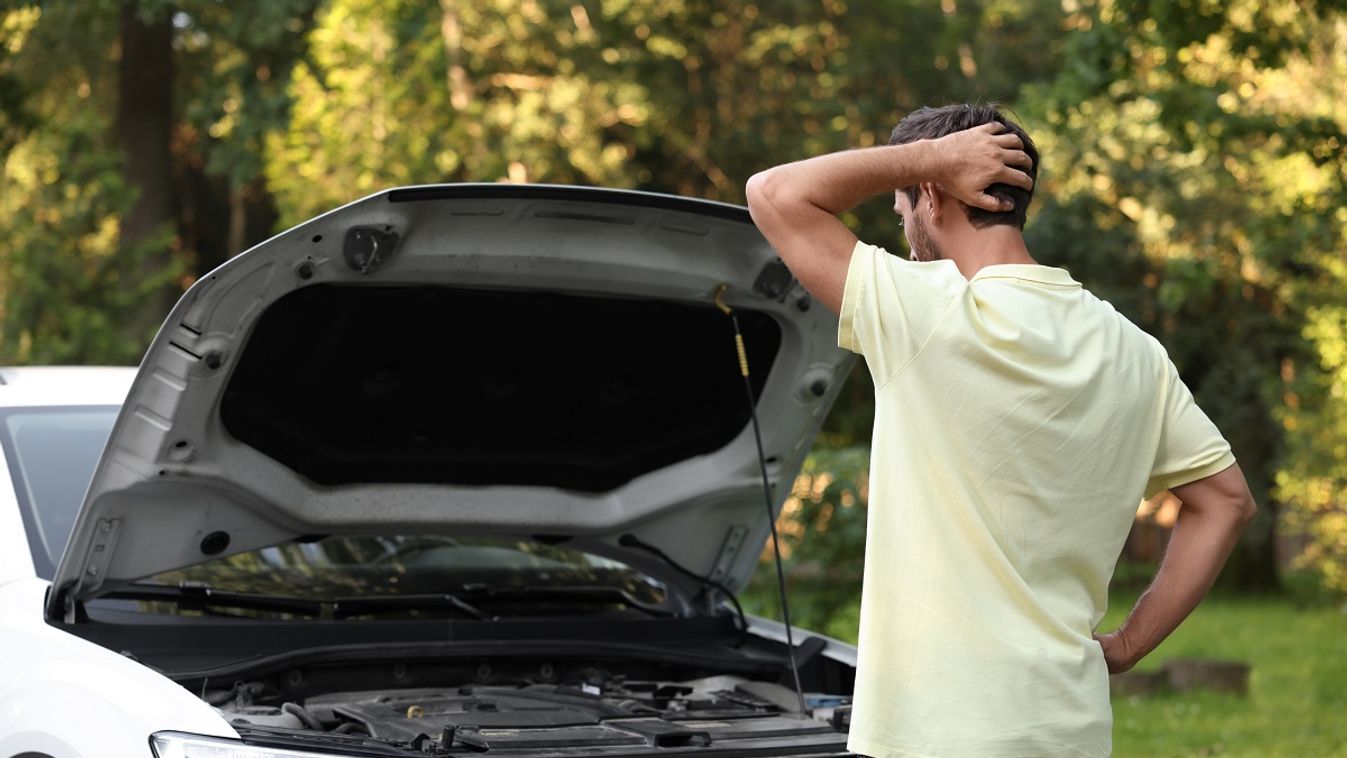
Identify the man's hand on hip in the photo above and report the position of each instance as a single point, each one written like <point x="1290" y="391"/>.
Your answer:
<point x="1214" y="511"/>
<point x="1116" y="654"/>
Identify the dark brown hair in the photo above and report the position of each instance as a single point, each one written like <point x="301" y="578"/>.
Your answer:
<point x="931" y="123"/>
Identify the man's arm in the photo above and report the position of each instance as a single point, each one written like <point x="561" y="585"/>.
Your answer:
<point x="796" y="205"/>
<point x="1215" y="511"/>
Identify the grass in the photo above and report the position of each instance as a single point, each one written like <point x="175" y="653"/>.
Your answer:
<point x="1295" y="644"/>
<point x="1297" y="701"/>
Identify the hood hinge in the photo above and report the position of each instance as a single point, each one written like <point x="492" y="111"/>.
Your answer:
<point x="96" y="560"/>
<point x="729" y="550"/>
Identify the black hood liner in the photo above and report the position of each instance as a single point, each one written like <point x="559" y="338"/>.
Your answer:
<point x="428" y="384"/>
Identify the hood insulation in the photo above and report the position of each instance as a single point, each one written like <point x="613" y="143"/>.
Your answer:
<point x="435" y="384"/>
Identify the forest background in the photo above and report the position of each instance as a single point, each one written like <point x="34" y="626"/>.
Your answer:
<point x="1193" y="175"/>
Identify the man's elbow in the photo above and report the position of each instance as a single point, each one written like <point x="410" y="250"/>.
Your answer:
<point x="1245" y="505"/>
<point x="1240" y="507"/>
<point x="764" y="190"/>
<point x="1248" y="509"/>
<point x="756" y="189"/>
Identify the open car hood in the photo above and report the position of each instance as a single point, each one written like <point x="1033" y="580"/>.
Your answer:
<point x="497" y="359"/>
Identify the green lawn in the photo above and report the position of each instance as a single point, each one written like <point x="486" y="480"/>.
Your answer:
<point x="1297" y="702"/>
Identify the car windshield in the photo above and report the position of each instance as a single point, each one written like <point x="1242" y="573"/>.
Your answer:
<point x="502" y="575"/>
<point x="52" y="452"/>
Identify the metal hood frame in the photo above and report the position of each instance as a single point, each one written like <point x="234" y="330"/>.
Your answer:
<point x="177" y="485"/>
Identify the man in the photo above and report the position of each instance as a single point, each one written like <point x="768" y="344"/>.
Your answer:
<point x="1018" y="422"/>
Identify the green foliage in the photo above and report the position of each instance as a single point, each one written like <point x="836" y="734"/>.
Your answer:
<point x="1205" y="156"/>
<point x="822" y="527"/>
<point x="78" y="287"/>
<point x="70" y="291"/>
<point x="235" y="66"/>
<point x="1314" y="479"/>
<point x="405" y="93"/>
<point x="1193" y="176"/>
<point x="1193" y="170"/>
<point x="684" y="97"/>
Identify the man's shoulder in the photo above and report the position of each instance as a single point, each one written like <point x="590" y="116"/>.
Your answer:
<point x="1136" y="337"/>
<point x="905" y="277"/>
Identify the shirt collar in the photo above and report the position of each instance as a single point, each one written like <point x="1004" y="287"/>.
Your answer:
<point x="1028" y="272"/>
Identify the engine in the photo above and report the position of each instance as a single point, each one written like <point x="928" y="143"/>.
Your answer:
<point x="615" y="714"/>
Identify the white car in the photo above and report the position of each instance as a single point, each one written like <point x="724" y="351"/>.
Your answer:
<point x="451" y="470"/>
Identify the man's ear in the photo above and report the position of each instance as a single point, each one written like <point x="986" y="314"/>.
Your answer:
<point x="934" y="196"/>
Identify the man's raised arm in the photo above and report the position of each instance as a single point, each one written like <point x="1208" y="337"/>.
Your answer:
<point x="796" y="205"/>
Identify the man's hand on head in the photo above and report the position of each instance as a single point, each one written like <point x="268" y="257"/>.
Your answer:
<point x="796" y="205"/>
<point x="966" y="163"/>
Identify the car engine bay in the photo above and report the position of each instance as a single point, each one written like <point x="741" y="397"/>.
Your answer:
<point x="585" y="712"/>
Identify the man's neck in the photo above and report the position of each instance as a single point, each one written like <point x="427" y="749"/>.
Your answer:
<point x="975" y="249"/>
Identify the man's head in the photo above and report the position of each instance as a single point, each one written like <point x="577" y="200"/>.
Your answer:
<point x="932" y="123"/>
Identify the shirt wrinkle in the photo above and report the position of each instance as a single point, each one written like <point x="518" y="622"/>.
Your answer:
<point x="927" y="341"/>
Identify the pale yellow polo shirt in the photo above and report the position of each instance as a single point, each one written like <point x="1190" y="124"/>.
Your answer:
<point x="1019" y="420"/>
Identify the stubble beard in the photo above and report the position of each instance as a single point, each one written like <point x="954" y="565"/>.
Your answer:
<point x="924" y="248"/>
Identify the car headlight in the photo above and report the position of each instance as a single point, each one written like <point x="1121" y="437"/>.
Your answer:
<point x="179" y="745"/>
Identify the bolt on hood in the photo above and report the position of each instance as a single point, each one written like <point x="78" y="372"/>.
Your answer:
<point x="499" y="359"/>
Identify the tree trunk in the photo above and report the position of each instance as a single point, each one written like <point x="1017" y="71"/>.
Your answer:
<point x="238" y="221"/>
<point x="143" y="129"/>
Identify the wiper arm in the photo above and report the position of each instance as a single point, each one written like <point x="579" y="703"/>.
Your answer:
<point x="196" y="596"/>
<point x="346" y="607"/>
<point x="579" y="594"/>
<point x="200" y="596"/>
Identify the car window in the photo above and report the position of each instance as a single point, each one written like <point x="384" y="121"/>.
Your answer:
<point x="51" y="454"/>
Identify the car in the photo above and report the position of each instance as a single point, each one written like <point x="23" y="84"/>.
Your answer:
<point x="450" y="470"/>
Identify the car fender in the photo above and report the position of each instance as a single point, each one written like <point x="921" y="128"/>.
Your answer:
<point x="65" y="697"/>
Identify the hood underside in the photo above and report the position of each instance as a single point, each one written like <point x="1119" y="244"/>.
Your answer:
<point x="468" y="359"/>
<point x="489" y="387"/>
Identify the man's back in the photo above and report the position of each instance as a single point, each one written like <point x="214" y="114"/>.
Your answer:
<point x="1018" y="422"/>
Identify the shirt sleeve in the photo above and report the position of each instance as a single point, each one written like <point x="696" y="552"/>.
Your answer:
<point x="892" y="306"/>
<point x="1191" y="447"/>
